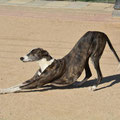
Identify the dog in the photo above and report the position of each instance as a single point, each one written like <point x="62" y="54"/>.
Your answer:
<point x="65" y="71"/>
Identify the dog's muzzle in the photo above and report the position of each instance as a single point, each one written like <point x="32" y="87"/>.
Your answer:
<point x="25" y="59"/>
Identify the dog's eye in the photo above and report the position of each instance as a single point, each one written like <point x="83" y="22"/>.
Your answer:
<point x="33" y="52"/>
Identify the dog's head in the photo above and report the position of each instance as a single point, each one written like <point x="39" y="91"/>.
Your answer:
<point x="36" y="55"/>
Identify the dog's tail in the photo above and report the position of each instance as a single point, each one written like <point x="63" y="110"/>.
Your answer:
<point x="113" y="50"/>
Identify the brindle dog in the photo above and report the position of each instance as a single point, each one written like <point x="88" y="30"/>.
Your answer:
<point x="65" y="71"/>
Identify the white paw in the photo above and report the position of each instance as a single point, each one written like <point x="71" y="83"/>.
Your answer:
<point x="93" y="88"/>
<point x="2" y="91"/>
<point x="10" y="90"/>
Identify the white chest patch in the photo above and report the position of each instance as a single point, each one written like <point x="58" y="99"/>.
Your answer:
<point x="43" y="63"/>
<point x="39" y="73"/>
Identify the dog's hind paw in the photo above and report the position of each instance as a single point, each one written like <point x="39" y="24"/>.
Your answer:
<point x="93" y="88"/>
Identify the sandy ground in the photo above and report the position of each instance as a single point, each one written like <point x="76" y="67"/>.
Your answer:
<point x="56" y="30"/>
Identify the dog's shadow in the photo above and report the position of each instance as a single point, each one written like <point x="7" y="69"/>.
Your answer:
<point x="114" y="79"/>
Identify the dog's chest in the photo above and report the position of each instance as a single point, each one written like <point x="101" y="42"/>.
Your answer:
<point x="39" y="73"/>
<point x="43" y="65"/>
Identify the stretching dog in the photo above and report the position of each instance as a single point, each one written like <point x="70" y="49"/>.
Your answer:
<point x="65" y="71"/>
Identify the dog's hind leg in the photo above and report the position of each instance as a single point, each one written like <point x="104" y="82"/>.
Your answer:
<point x="99" y="73"/>
<point x="88" y="74"/>
<point x="87" y="71"/>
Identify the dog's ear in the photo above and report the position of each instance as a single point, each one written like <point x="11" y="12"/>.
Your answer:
<point x="45" y="53"/>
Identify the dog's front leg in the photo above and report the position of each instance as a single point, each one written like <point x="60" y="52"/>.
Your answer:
<point x="11" y="89"/>
<point x="18" y="88"/>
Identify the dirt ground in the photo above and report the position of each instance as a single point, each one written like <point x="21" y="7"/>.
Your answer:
<point x="56" y="30"/>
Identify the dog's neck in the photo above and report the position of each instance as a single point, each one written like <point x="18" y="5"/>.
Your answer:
<point x="43" y="63"/>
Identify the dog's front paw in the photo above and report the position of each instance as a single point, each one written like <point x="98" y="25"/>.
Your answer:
<point x="93" y="88"/>
<point x="2" y="91"/>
